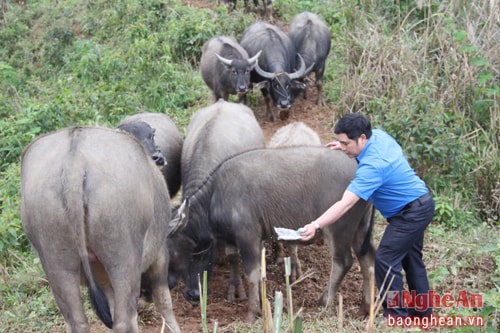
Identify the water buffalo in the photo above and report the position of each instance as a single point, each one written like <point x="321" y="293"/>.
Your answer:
<point x="225" y="67"/>
<point x="169" y="141"/>
<point x="145" y="134"/>
<point x="294" y="134"/>
<point x="97" y="210"/>
<point x="267" y="4"/>
<point x="257" y="190"/>
<point x="215" y="133"/>
<point x="312" y="39"/>
<point x="273" y="71"/>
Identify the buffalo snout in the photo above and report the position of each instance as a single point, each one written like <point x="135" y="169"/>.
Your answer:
<point x="243" y="88"/>
<point x="158" y="158"/>
<point x="193" y="296"/>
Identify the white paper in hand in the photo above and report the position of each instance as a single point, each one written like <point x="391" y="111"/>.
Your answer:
<point x="288" y="234"/>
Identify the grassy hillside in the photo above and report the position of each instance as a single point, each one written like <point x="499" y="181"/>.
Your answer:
<point x="426" y="71"/>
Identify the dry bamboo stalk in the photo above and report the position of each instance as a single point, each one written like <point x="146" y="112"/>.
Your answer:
<point x="288" y="268"/>
<point x="370" y="328"/>
<point x="380" y="301"/>
<point x="340" y="314"/>
<point x="267" y="317"/>
<point x="162" y="325"/>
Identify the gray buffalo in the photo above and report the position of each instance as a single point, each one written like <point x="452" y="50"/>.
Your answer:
<point x="225" y="67"/>
<point x="97" y="210"/>
<point x="312" y="39"/>
<point x="145" y="134"/>
<point x="169" y="141"/>
<point x="274" y="72"/>
<point x="215" y="133"/>
<point x="294" y="134"/>
<point x="257" y="190"/>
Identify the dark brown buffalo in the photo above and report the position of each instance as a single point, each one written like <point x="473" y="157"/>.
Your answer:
<point x="95" y="207"/>
<point x="168" y="140"/>
<point x="312" y="39"/>
<point x="257" y="190"/>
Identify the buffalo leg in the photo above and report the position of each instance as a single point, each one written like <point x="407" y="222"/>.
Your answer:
<point x="278" y="250"/>
<point x="157" y="273"/>
<point x="126" y="294"/>
<point x="365" y="253"/>
<point x="269" y="110"/>
<point x="250" y="254"/>
<point x="279" y="254"/>
<point x="341" y="263"/>
<point x="63" y="274"/>
<point x="319" y="86"/>
<point x="294" y="258"/>
<point x="366" y="262"/>
<point x="235" y="281"/>
<point x="66" y="288"/>
<point x="125" y="281"/>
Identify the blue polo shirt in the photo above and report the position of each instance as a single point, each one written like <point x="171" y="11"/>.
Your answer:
<point x="384" y="176"/>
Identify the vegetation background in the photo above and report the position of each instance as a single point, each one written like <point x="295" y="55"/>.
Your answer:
<point x="427" y="71"/>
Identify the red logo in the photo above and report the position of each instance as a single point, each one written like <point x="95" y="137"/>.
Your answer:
<point x="422" y="302"/>
<point x="393" y="299"/>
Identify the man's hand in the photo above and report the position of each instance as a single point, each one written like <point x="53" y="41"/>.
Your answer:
<point x="334" y="145"/>
<point x="307" y="232"/>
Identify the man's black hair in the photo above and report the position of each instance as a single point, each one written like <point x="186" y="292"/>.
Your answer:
<point x="353" y="125"/>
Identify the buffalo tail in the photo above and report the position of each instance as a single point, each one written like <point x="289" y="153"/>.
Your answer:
<point x="75" y="200"/>
<point x="100" y="304"/>
<point x="368" y="236"/>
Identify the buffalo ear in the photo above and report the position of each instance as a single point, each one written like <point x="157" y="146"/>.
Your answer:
<point x="180" y="220"/>
<point x="262" y="85"/>
<point x="298" y="85"/>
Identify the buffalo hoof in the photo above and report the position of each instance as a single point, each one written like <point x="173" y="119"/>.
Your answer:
<point x="236" y="292"/>
<point x="251" y="318"/>
<point x="323" y="301"/>
<point x="173" y="281"/>
<point x="363" y="311"/>
<point x="231" y="294"/>
<point x="284" y="114"/>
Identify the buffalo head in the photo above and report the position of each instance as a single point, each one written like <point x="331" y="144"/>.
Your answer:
<point x="239" y="71"/>
<point x="283" y="87"/>
<point x="143" y="132"/>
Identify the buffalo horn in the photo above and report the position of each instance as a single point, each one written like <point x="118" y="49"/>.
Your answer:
<point x="301" y="71"/>
<point x="261" y="72"/>
<point x="224" y="60"/>
<point x="253" y="59"/>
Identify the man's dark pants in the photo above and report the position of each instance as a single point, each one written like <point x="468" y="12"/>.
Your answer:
<point x="401" y="248"/>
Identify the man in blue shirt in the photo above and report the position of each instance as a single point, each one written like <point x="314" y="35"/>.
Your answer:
<point x="385" y="177"/>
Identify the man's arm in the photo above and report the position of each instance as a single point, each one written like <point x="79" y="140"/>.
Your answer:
<point x="331" y="215"/>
